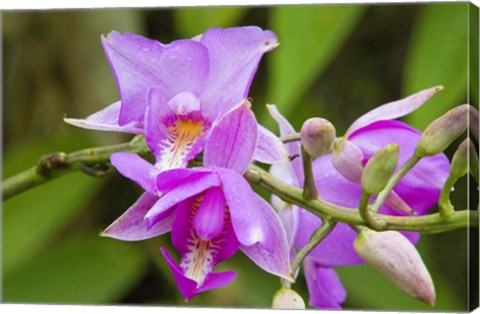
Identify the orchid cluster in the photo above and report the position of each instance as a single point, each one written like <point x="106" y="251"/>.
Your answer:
<point x="189" y="100"/>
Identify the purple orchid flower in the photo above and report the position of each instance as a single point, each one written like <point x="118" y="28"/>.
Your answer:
<point x="174" y="93"/>
<point x="211" y="210"/>
<point x="337" y="178"/>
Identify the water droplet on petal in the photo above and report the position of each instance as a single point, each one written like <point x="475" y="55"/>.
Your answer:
<point x="146" y="49"/>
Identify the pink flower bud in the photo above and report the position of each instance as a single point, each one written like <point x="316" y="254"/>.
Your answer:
<point x="443" y="131"/>
<point x="287" y="299"/>
<point x="395" y="257"/>
<point x="317" y="136"/>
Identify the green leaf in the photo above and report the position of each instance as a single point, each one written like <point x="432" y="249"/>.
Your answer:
<point x="31" y="219"/>
<point x="83" y="268"/>
<point x="190" y="22"/>
<point x="437" y="55"/>
<point x="309" y="36"/>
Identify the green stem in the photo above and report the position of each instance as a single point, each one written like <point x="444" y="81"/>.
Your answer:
<point x="290" y="138"/>
<point x="318" y="235"/>
<point x="58" y="164"/>
<point x="444" y="204"/>
<point x="309" y="186"/>
<point x="393" y="181"/>
<point x="365" y="213"/>
<point x="432" y="223"/>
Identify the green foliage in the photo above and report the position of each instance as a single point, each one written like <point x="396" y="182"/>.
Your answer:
<point x="82" y="268"/>
<point x="190" y="22"/>
<point x="437" y="55"/>
<point x="32" y="219"/>
<point x="473" y="53"/>
<point x="309" y="36"/>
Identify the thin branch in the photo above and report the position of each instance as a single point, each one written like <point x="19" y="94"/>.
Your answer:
<point x="290" y="138"/>
<point x="309" y="186"/>
<point x="432" y="223"/>
<point x="55" y="165"/>
<point x="317" y="237"/>
<point x="58" y="164"/>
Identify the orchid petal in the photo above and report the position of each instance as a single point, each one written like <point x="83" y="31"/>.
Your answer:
<point x="169" y="179"/>
<point x="136" y="168"/>
<point x="189" y="287"/>
<point x="198" y="256"/>
<point x="237" y="52"/>
<point x="324" y="286"/>
<point x="288" y="213"/>
<point x="232" y="140"/>
<point x="293" y="148"/>
<point x="217" y="280"/>
<point x="184" y="103"/>
<point x="393" y="110"/>
<point x="107" y="120"/>
<point x="131" y="225"/>
<point x="193" y="185"/>
<point x="283" y="172"/>
<point x="348" y="159"/>
<point x="270" y="149"/>
<point x="139" y="63"/>
<point x="174" y="139"/>
<point x="186" y="285"/>
<point x="395" y="202"/>
<point x="208" y="221"/>
<point x="185" y="239"/>
<point x="290" y="217"/>
<point x="242" y="203"/>
<point x="272" y="252"/>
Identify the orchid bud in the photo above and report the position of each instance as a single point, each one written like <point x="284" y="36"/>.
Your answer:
<point x="317" y="136"/>
<point x="287" y="299"/>
<point x="395" y="257"/>
<point x="474" y="122"/>
<point x="443" y="131"/>
<point x="379" y="169"/>
<point x="459" y="166"/>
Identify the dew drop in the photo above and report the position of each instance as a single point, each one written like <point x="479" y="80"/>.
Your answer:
<point x="146" y="49"/>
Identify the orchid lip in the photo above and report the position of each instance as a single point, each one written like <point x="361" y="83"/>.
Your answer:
<point x="209" y="219"/>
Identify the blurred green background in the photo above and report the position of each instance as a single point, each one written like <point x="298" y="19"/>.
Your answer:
<point x="334" y="61"/>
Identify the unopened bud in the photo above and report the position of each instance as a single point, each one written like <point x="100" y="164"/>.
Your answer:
<point x="317" y="136"/>
<point x="443" y="131"/>
<point x="474" y="122"/>
<point x="379" y="169"/>
<point x="460" y="161"/>
<point x="287" y="299"/>
<point x="395" y="257"/>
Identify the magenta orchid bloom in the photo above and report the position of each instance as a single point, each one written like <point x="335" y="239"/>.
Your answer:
<point x="211" y="210"/>
<point x="337" y="178"/>
<point x="174" y="93"/>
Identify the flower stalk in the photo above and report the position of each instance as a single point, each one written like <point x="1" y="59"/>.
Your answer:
<point x="394" y="180"/>
<point x="309" y="187"/>
<point x="321" y="233"/>
<point x="432" y="223"/>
